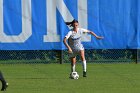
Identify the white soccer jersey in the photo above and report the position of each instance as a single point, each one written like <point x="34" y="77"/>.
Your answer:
<point x="74" y="39"/>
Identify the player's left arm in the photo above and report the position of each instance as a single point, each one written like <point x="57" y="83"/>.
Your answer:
<point x="92" y="33"/>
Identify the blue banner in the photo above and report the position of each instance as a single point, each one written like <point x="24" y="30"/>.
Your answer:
<point x="40" y="24"/>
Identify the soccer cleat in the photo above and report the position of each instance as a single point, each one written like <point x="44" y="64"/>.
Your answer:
<point x="84" y="74"/>
<point x="4" y="86"/>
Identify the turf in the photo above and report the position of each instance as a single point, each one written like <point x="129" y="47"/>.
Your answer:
<point x="54" y="78"/>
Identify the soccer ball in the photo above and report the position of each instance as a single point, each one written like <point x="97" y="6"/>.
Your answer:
<point x="74" y="75"/>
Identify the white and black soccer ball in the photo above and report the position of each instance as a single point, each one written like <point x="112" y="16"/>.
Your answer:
<point x="74" y="75"/>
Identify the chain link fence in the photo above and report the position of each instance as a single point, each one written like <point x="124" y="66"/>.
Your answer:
<point x="108" y="56"/>
<point x="58" y="56"/>
<point x="138" y="56"/>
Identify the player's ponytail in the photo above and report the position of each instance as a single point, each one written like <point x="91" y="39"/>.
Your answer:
<point x="71" y="23"/>
<point x="68" y="23"/>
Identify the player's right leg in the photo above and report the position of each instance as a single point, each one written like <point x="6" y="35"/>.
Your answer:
<point x="73" y="64"/>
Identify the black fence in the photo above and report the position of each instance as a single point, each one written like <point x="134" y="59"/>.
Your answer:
<point x="59" y="56"/>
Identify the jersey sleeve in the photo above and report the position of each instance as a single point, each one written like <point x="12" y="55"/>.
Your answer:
<point x="69" y="34"/>
<point x="84" y="30"/>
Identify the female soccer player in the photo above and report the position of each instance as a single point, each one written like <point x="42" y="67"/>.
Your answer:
<point x="74" y="44"/>
<point x="4" y="83"/>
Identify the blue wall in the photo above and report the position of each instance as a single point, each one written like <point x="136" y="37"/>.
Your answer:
<point x="118" y="21"/>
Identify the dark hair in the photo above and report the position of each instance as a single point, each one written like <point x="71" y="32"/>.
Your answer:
<point x="71" y="23"/>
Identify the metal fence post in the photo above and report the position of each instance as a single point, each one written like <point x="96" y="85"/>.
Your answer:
<point x="137" y="56"/>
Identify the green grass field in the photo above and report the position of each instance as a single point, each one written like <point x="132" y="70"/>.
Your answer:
<point x="54" y="78"/>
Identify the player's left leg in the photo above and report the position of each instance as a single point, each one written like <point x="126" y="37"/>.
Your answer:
<point x="4" y="83"/>
<point x="82" y="54"/>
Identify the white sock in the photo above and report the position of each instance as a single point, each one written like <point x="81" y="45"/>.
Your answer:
<point x="73" y="68"/>
<point x="84" y="65"/>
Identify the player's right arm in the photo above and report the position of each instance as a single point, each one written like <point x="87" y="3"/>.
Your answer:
<point x="65" y="42"/>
